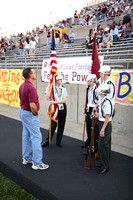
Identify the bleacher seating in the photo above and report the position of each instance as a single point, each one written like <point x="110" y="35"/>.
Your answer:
<point x="120" y="55"/>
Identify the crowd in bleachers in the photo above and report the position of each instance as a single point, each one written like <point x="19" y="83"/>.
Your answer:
<point x="111" y="34"/>
<point x="87" y="16"/>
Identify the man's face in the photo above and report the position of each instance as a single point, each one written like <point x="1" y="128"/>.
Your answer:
<point x="59" y="81"/>
<point x="101" y="75"/>
<point x="33" y="74"/>
<point x="89" y="83"/>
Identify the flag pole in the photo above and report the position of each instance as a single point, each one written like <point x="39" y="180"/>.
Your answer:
<point x="50" y="118"/>
<point x="84" y="128"/>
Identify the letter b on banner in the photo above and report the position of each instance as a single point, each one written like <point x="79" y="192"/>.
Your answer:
<point x="125" y="83"/>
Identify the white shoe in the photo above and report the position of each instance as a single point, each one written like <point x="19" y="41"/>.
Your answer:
<point x="25" y="162"/>
<point x="40" y="166"/>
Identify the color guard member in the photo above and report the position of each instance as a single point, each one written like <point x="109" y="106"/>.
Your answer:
<point x="105" y="126"/>
<point x="62" y="112"/>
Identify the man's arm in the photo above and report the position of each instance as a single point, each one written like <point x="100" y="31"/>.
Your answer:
<point x="34" y="110"/>
<point x="59" y="102"/>
<point x="104" y="125"/>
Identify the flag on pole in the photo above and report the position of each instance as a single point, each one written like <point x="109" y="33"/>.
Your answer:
<point x="53" y="109"/>
<point x="95" y="60"/>
<point x="95" y="68"/>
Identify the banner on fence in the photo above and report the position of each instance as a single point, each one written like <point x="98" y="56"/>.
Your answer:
<point x="73" y="70"/>
<point x="124" y="87"/>
<point x="10" y="81"/>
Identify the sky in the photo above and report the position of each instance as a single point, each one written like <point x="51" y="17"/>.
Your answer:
<point x="20" y="16"/>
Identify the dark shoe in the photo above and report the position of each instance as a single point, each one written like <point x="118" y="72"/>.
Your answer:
<point x="84" y="146"/>
<point x="44" y="144"/>
<point x="98" y="164"/>
<point x="85" y="153"/>
<point x="59" y="145"/>
<point x="102" y="171"/>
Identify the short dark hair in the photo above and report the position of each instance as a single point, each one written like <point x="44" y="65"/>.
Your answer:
<point x="27" y="72"/>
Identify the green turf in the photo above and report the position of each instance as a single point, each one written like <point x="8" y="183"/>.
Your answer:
<point x="11" y="191"/>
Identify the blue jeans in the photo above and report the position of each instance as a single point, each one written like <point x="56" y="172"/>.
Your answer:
<point x="115" y="38"/>
<point x="31" y="137"/>
<point x="48" y="41"/>
<point x="21" y="53"/>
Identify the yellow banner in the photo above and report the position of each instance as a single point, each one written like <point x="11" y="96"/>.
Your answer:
<point x="10" y="81"/>
<point x="124" y="87"/>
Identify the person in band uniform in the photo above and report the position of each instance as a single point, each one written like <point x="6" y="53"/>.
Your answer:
<point x="105" y="127"/>
<point x="62" y="112"/>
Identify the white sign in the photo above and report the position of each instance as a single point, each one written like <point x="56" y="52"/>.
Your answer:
<point x="73" y="70"/>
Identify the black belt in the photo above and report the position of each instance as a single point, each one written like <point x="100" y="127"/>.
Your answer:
<point x="26" y="110"/>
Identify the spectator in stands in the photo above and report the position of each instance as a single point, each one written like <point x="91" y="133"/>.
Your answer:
<point x="3" y="47"/>
<point x="120" y="28"/>
<point x="108" y="28"/>
<point x="65" y="39"/>
<point x="114" y="32"/>
<point x="103" y="11"/>
<point x="81" y="20"/>
<point x="131" y="9"/>
<point x="99" y="37"/>
<point x="57" y="36"/>
<point x="99" y="27"/>
<point x="64" y="31"/>
<point x="127" y="30"/>
<point x="37" y="38"/>
<point x="11" y="45"/>
<point x="75" y="17"/>
<point x="112" y="13"/>
<point x="126" y="19"/>
<point x="87" y="17"/>
<point x="60" y="30"/>
<point x="107" y="40"/>
<point x="27" y="46"/>
<point x="90" y="39"/>
<point x="71" y="37"/>
<point x="32" y="47"/>
<point x="21" y="48"/>
<point x="48" y="36"/>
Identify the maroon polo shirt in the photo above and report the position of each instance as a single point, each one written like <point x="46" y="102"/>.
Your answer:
<point x="27" y="95"/>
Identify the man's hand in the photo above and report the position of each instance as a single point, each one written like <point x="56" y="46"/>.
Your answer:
<point x="34" y="110"/>
<point x="101" y="133"/>
<point x="52" y="102"/>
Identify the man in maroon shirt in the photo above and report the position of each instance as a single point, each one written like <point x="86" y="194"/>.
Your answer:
<point x="31" y="135"/>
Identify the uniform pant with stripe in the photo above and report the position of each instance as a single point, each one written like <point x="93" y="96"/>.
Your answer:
<point x="104" y="145"/>
<point x="61" y="125"/>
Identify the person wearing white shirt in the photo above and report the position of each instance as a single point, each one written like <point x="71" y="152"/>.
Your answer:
<point x="32" y="47"/>
<point x="105" y="126"/>
<point x="114" y="32"/>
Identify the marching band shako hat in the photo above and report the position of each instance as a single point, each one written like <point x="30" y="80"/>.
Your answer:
<point x="59" y="77"/>
<point x="92" y="77"/>
<point x="106" y="69"/>
<point x="104" y="88"/>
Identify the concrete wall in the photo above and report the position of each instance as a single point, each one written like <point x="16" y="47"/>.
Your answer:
<point x="122" y="122"/>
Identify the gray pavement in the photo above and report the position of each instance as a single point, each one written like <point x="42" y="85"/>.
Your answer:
<point x="120" y="143"/>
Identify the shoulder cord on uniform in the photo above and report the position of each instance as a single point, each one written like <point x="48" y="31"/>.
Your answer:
<point x="110" y="82"/>
<point x="86" y="101"/>
<point x="94" y="95"/>
<point x="102" y="106"/>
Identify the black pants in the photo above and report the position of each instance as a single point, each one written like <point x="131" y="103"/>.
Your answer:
<point x="104" y="145"/>
<point x="61" y="124"/>
<point x="88" y="129"/>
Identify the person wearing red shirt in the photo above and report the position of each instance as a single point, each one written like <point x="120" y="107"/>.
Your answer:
<point x="31" y="135"/>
